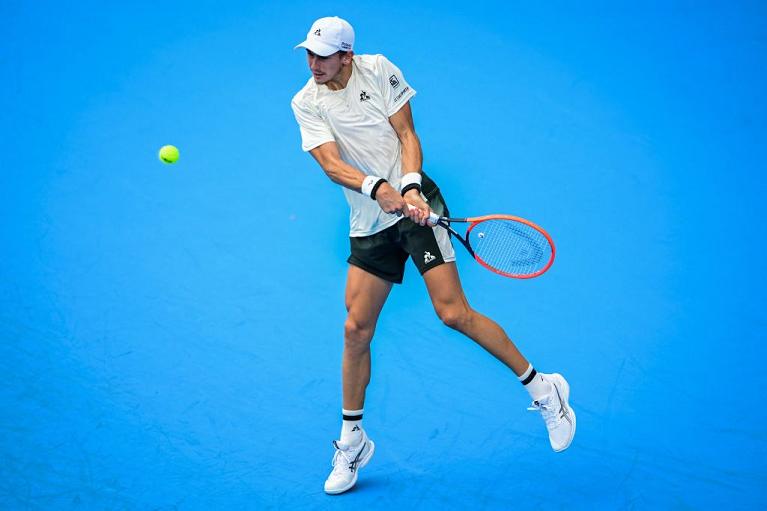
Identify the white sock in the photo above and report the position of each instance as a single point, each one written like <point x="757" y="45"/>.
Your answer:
<point x="535" y="384"/>
<point x="351" y="427"/>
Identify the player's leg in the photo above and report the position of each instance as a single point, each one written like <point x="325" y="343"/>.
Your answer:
<point x="453" y="309"/>
<point x="365" y="297"/>
<point x="550" y="392"/>
<point x="375" y="264"/>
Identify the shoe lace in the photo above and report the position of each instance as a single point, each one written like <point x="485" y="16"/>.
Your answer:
<point x="548" y="413"/>
<point x="348" y="455"/>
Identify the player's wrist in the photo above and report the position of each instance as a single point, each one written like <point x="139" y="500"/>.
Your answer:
<point x="370" y="185"/>
<point x="411" y="181"/>
<point x="413" y="193"/>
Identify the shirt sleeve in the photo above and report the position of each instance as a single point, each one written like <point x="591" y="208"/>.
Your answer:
<point x="396" y="91"/>
<point x="314" y="130"/>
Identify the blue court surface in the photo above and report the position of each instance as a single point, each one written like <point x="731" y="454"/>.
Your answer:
<point x="171" y="335"/>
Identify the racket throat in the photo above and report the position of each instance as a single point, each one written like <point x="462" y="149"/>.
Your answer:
<point x="446" y="224"/>
<point x="468" y="247"/>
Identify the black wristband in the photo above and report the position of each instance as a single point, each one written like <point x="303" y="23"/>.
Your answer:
<point x="375" y="188"/>
<point x="411" y="186"/>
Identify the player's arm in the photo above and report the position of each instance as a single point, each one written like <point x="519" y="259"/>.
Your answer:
<point x="346" y="175"/>
<point x="412" y="159"/>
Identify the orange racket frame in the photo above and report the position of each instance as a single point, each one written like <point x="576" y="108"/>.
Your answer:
<point x="475" y="221"/>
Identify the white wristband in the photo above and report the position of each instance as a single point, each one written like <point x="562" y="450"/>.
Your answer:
<point x="409" y="179"/>
<point x="369" y="184"/>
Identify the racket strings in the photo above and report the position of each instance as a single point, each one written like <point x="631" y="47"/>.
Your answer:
<point x="509" y="246"/>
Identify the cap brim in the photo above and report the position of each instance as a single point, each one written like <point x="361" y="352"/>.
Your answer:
<point x="318" y="47"/>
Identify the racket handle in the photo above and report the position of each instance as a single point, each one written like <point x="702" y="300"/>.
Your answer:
<point x="433" y="217"/>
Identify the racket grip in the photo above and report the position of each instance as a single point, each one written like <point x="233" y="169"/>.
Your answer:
<point x="433" y="217"/>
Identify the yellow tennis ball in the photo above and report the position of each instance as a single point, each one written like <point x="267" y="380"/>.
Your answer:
<point x="168" y="154"/>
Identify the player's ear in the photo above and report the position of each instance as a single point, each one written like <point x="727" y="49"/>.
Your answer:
<point x="347" y="57"/>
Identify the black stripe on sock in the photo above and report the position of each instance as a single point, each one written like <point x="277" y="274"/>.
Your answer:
<point x="353" y="417"/>
<point x="530" y="377"/>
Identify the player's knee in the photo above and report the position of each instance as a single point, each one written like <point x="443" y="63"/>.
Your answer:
<point x="456" y="317"/>
<point x="356" y="334"/>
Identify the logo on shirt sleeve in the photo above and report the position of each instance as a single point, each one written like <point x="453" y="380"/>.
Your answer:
<point x="401" y="93"/>
<point x="393" y="81"/>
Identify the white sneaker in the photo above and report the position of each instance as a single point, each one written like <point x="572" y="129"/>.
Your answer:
<point x="347" y="460"/>
<point x="556" y="412"/>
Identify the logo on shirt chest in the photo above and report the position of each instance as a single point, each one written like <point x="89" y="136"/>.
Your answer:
<point x="364" y="96"/>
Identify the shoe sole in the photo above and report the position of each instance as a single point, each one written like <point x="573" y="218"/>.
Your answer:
<point x="364" y="461"/>
<point x="565" y="389"/>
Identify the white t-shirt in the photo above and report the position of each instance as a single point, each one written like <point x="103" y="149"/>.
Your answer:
<point x="356" y="118"/>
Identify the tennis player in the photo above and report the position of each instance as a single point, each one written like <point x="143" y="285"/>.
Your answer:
<point x="355" y="119"/>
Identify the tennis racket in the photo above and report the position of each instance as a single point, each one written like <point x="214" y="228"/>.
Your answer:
<point x="504" y="244"/>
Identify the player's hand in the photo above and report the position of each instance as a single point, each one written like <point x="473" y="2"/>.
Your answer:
<point x="390" y="200"/>
<point x="421" y="211"/>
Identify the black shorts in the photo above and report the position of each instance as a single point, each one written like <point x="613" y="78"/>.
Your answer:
<point x="384" y="253"/>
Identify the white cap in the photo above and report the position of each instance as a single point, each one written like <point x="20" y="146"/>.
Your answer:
<point x="329" y="35"/>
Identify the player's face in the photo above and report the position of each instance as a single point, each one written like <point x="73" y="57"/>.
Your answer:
<point x="324" y="69"/>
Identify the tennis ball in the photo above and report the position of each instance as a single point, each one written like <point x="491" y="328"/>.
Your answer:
<point x="168" y="154"/>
